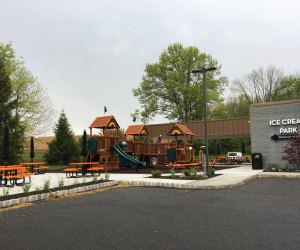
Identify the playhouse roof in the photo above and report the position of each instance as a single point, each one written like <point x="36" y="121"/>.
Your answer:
<point x="137" y="130"/>
<point x="105" y="122"/>
<point x="180" y="129"/>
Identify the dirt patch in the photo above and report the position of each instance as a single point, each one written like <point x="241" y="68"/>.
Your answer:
<point x="28" y="204"/>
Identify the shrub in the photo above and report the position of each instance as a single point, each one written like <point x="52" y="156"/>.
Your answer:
<point x="211" y="171"/>
<point x="156" y="173"/>
<point x="26" y="187"/>
<point x="61" y="182"/>
<point x="46" y="184"/>
<point x="106" y="176"/>
<point x="173" y="172"/>
<point x="186" y="172"/>
<point x="5" y="191"/>
<point x="272" y="166"/>
<point x="193" y="172"/>
<point x="95" y="178"/>
<point x="292" y="151"/>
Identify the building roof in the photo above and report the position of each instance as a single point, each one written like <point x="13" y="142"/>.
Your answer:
<point x="137" y="130"/>
<point x="180" y="129"/>
<point x="275" y="103"/>
<point x="105" y="122"/>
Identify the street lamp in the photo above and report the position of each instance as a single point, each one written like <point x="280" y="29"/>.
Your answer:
<point x="203" y="71"/>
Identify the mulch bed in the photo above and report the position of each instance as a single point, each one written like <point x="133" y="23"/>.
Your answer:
<point x="21" y="195"/>
<point x="177" y="177"/>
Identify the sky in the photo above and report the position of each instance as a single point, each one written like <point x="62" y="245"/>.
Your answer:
<point x="91" y="53"/>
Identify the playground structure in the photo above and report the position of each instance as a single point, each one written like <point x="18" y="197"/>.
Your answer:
<point x="100" y="146"/>
<point x="111" y="148"/>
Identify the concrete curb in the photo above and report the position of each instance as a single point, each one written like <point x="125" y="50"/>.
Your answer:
<point x="279" y="175"/>
<point x="61" y="193"/>
<point x="56" y="194"/>
<point x="189" y="186"/>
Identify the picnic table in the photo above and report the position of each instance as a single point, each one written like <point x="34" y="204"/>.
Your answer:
<point x="83" y="168"/>
<point x="35" y="167"/>
<point x="184" y="165"/>
<point x="13" y="174"/>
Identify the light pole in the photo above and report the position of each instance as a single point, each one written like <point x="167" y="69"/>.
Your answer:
<point x="203" y="71"/>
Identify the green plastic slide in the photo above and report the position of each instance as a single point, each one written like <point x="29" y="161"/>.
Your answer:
<point x="126" y="160"/>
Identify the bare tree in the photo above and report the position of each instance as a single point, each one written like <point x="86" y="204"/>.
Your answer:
<point x="260" y="85"/>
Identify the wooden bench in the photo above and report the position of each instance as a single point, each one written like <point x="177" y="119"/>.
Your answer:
<point x="72" y="172"/>
<point x="95" y="170"/>
<point x="40" y="169"/>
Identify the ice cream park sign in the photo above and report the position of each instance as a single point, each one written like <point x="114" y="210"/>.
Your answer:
<point x="287" y="128"/>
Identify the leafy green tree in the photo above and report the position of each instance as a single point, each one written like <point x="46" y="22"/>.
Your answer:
<point x="169" y="87"/>
<point x="229" y="144"/>
<point x="234" y="107"/>
<point x="289" y="88"/>
<point x="7" y="104"/>
<point x="24" y="103"/>
<point x="29" y="100"/>
<point x="63" y="148"/>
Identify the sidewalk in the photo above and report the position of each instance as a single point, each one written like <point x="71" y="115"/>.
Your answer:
<point x="226" y="179"/>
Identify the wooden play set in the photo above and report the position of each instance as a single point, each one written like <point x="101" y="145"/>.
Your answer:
<point x="115" y="149"/>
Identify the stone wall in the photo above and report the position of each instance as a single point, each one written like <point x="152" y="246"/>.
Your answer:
<point x="269" y="119"/>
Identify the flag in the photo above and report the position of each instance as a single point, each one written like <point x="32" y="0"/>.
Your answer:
<point x="105" y="109"/>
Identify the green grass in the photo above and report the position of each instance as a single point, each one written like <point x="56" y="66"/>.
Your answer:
<point x="39" y="156"/>
<point x="57" y="167"/>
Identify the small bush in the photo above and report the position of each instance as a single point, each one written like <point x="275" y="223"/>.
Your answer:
<point x="46" y="184"/>
<point x="61" y="182"/>
<point x="211" y="171"/>
<point x="272" y="166"/>
<point x="156" y="173"/>
<point x="186" y="172"/>
<point x="106" y="176"/>
<point x="5" y="191"/>
<point x="193" y="172"/>
<point x="173" y="172"/>
<point x="26" y="187"/>
<point x="95" y="178"/>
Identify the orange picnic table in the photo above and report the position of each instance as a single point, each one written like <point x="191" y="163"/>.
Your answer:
<point x="35" y="167"/>
<point x="83" y="167"/>
<point x="12" y="174"/>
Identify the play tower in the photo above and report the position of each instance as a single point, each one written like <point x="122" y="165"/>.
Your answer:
<point x="100" y="145"/>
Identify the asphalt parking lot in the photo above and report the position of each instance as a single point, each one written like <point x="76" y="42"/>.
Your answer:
<point x="263" y="214"/>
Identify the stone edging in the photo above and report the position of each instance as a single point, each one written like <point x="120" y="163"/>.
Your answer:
<point x="31" y="198"/>
<point x="278" y="175"/>
<point x="188" y="186"/>
<point x="59" y="193"/>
